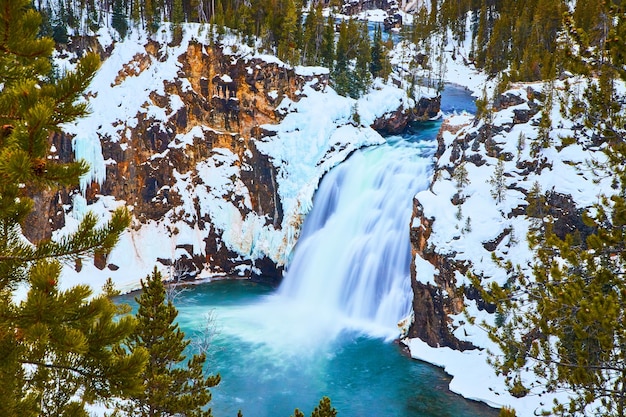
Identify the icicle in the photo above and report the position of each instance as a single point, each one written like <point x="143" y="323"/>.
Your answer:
<point x="89" y="149"/>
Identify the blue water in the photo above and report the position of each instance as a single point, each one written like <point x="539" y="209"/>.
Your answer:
<point x="363" y="376"/>
<point x="456" y="99"/>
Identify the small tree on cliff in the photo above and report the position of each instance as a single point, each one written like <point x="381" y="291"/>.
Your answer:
<point x="171" y="386"/>
<point x="59" y="350"/>
<point x="498" y="182"/>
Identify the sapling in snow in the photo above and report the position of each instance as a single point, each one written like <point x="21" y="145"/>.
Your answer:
<point x="498" y="183"/>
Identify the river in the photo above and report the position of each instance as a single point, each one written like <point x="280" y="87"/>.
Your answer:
<point x="329" y="329"/>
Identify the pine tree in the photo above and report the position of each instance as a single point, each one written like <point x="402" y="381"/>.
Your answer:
<point x="461" y="177"/>
<point x="178" y="16"/>
<point x="362" y="76"/>
<point x="119" y="21"/>
<point x="59" y="350"/>
<point x="171" y="387"/>
<point x="498" y="182"/>
<point x="341" y="74"/>
<point x="312" y="36"/>
<point x="323" y="409"/>
<point x="328" y="44"/>
<point x="377" y="53"/>
<point x="288" y="34"/>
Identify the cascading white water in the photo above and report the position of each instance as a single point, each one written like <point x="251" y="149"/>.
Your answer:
<point x="353" y="255"/>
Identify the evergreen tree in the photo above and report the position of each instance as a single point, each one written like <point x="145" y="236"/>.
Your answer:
<point x="351" y="76"/>
<point x="312" y="36"/>
<point x="323" y="409"/>
<point x="341" y="75"/>
<point x="119" y="21"/>
<point x="362" y="76"/>
<point x="377" y="53"/>
<point x="460" y="176"/>
<point x="498" y="182"/>
<point x="59" y="350"/>
<point x="289" y="29"/>
<point x="171" y="387"/>
<point x="328" y="43"/>
<point x="178" y="16"/>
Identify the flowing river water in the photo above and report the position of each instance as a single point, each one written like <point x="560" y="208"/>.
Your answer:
<point x="329" y="329"/>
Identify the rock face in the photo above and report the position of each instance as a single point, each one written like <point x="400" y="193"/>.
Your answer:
<point x="214" y="102"/>
<point x="433" y="303"/>
<point x="191" y="145"/>
<point x="395" y="123"/>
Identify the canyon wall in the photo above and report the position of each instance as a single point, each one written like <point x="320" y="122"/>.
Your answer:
<point x="174" y="135"/>
<point x="460" y="226"/>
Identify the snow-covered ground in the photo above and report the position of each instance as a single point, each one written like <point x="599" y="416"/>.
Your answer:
<point x="319" y="122"/>
<point x="459" y="230"/>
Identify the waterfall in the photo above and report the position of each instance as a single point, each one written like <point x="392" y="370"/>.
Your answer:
<point x="353" y="256"/>
<point x="349" y="270"/>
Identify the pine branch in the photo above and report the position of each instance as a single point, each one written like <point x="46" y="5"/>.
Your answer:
<point x="57" y="366"/>
<point x="85" y="241"/>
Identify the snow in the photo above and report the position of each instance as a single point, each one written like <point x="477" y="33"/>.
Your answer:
<point x="311" y="71"/>
<point x="312" y="126"/>
<point x="568" y="171"/>
<point x="317" y="133"/>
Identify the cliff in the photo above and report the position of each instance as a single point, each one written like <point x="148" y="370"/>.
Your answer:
<point x="459" y="225"/>
<point x="216" y="149"/>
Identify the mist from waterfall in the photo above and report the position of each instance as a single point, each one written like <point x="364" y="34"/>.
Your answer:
<point x="353" y="255"/>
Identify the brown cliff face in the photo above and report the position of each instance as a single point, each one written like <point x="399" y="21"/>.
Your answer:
<point x="224" y="101"/>
<point x="432" y="304"/>
<point x="228" y="100"/>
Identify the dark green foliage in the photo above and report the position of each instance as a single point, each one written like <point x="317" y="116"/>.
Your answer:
<point x="351" y="76"/>
<point x="59" y="350"/>
<point x="498" y="182"/>
<point x="177" y="18"/>
<point x="119" y="21"/>
<point x="287" y="30"/>
<point x="328" y="44"/>
<point x="312" y="37"/>
<point x="377" y="53"/>
<point x="172" y="385"/>
<point x="59" y="33"/>
<point x="323" y="409"/>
